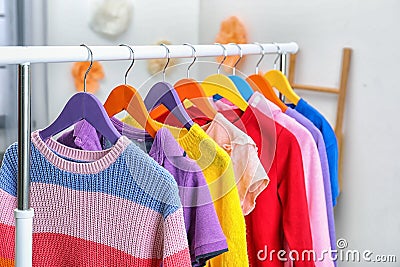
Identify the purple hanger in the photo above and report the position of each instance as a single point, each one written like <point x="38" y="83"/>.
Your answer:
<point x="164" y="93"/>
<point x="83" y="106"/>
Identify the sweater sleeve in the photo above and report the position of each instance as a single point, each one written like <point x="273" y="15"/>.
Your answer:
<point x="8" y="170"/>
<point x="8" y="202"/>
<point x="316" y="198"/>
<point x="333" y="161"/>
<point x="232" y="222"/>
<point x="205" y="236"/>
<point x="251" y="177"/>
<point x="292" y="194"/>
<point x="176" y="251"/>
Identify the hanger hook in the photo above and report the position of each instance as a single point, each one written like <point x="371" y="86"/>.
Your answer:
<point x="133" y="59"/>
<point x="279" y="54"/>
<point x="168" y="58"/>
<point x="90" y="66"/>
<point x="262" y="55"/>
<point x="194" y="58"/>
<point x="237" y="62"/>
<point x="223" y="60"/>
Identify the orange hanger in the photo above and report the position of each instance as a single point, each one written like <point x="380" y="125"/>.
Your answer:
<point x="191" y="90"/>
<point x="125" y="97"/>
<point x="260" y="84"/>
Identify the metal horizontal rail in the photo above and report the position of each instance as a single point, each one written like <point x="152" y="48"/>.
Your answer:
<point x="53" y="54"/>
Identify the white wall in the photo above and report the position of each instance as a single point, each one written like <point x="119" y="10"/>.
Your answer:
<point x="367" y="214"/>
<point x="7" y="130"/>
<point x="4" y="75"/>
<point x="152" y="21"/>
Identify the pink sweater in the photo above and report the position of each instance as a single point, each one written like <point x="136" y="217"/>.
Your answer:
<point x="312" y="175"/>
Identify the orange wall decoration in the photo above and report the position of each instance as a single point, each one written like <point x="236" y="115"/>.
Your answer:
<point x="232" y="30"/>
<point x="94" y="76"/>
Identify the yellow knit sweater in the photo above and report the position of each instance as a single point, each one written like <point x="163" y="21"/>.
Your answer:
<point x="218" y="172"/>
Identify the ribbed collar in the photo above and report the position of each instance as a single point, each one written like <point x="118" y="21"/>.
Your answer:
<point x="130" y="131"/>
<point x="97" y="161"/>
<point x="189" y="138"/>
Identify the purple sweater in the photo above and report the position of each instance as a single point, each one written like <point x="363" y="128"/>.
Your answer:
<point x="325" y="168"/>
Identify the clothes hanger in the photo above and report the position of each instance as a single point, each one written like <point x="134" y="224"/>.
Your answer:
<point x="125" y="97"/>
<point x="163" y="93"/>
<point x="218" y="84"/>
<point x="278" y="80"/>
<point x="81" y="106"/>
<point x="189" y="89"/>
<point x="259" y="83"/>
<point x="243" y="86"/>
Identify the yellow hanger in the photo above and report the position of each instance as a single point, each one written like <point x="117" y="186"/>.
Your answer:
<point x="223" y="86"/>
<point x="279" y="81"/>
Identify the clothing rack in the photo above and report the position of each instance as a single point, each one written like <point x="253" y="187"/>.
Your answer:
<point x="24" y="56"/>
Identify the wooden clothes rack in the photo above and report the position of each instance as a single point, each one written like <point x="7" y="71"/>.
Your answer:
<point x="340" y="91"/>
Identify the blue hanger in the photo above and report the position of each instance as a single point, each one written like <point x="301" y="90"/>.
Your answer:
<point x="241" y="84"/>
<point x="83" y="106"/>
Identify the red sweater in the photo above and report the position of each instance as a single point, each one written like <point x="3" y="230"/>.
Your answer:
<point x="281" y="210"/>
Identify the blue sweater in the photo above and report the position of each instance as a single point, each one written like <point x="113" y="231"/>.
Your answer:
<point x="330" y="140"/>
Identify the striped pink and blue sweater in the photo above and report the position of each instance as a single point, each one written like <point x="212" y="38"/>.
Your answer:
<point x="115" y="207"/>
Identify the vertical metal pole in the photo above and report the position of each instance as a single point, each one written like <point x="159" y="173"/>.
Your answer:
<point x="24" y="134"/>
<point x="23" y="214"/>
<point x="283" y="69"/>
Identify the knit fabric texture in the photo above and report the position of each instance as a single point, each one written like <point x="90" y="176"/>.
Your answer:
<point x="313" y="179"/>
<point x="330" y="140"/>
<point x="115" y="207"/>
<point x="251" y="178"/>
<point x="281" y="213"/>
<point x="218" y="171"/>
<point x="205" y="236"/>
<point x="325" y="170"/>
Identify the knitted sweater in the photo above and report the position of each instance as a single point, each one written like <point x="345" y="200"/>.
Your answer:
<point x="331" y="144"/>
<point x="204" y="233"/>
<point x="313" y="179"/>
<point x="251" y="178"/>
<point x="218" y="171"/>
<point x="325" y="169"/>
<point x="90" y="208"/>
<point x="281" y="212"/>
